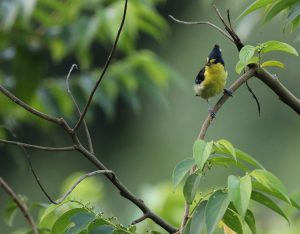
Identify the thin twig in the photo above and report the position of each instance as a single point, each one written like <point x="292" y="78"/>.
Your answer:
<point x="255" y="98"/>
<point x="185" y="217"/>
<point x="229" y="20"/>
<point x="38" y="147"/>
<point x="86" y="129"/>
<point x="22" y="206"/>
<point x="140" y="219"/>
<point x="202" y="22"/>
<point x="108" y="61"/>
<point x="229" y="29"/>
<point x="60" y="200"/>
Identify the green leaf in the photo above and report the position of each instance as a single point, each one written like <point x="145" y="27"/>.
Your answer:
<point x="190" y="187"/>
<point x="266" y="201"/>
<point x="181" y="169"/>
<point x="240" y="66"/>
<point x="293" y="14"/>
<point x="247" y="158"/>
<point x="226" y="162"/>
<point x="277" y="46"/>
<point x="256" y="5"/>
<point x="231" y="219"/>
<point x="228" y="148"/>
<point x="202" y="158"/>
<point x="250" y="220"/>
<point x="100" y="226"/>
<point x="278" y="7"/>
<point x="239" y="191"/>
<point x="73" y="221"/>
<point x="197" y="221"/>
<point x="246" y="53"/>
<point x="10" y="212"/>
<point x="270" y="181"/>
<point x="215" y="210"/>
<point x="272" y="63"/>
<point x="198" y="149"/>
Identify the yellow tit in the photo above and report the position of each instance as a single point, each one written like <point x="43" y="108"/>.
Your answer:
<point x="211" y="79"/>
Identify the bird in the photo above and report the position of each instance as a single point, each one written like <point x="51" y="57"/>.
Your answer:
<point x="211" y="79"/>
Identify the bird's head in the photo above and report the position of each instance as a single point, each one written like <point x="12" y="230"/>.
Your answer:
<point x="215" y="56"/>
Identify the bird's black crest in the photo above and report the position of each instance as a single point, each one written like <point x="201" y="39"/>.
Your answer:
<point x="216" y="54"/>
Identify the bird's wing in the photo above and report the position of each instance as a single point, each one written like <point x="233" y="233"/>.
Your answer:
<point x="200" y="76"/>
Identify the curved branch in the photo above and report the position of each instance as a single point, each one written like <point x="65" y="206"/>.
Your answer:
<point x="111" y="54"/>
<point x="203" y="22"/>
<point x="60" y="200"/>
<point x="23" y="208"/>
<point x="38" y="147"/>
<point x="241" y="80"/>
<point x="277" y="87"/>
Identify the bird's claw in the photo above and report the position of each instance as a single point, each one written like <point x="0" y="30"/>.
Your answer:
<point x="212" y="113"/>
<point x="229" y="92"/>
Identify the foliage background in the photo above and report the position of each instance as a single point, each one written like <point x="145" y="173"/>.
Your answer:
<point x="143" y="144"/>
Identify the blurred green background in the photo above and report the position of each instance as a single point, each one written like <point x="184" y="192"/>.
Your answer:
<point x="145" y="117"/>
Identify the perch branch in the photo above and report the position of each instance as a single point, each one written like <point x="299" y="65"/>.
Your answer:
<point x="236" y="84"/>
<point x="23" y="208"/>
<point x="277" y="87"/>
<point x="108" y="61"/>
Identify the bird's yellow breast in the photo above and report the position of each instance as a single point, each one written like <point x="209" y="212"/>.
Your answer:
<point x="214" y="80"/>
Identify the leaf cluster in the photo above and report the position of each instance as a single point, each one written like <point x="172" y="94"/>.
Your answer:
<point x="229" y="205"/>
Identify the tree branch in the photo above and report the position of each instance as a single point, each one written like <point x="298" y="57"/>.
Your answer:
<point x="86" y="129"/>
<point x="203" y="22"/>
<point x="38" y="147"/>
<point x="236" y="84"/>
<point x="23" y="208"/>
<point x="277" y="87"/>
<point x="59" y="121"/>
<point x="60" y="200"/>
<point x="108" y="61"/>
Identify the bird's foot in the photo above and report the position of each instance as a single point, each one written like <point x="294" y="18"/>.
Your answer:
<point x="229" y="92"/>
<point x="212" y="113"/>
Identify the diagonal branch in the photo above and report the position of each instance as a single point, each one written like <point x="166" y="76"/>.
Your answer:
<point x="277" y="87"/>
<point x="108" y="61"/>
<point x="59" y="121"/>
<point x="236" y="84"/>
<point x="23" y="208"/>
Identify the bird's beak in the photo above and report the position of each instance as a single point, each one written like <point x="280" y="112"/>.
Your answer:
<point x="208" y="64"/>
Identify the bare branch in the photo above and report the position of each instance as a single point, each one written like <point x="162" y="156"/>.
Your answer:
<point x="142" y="218"/>
<point x="86" y="129"/>
<point x="59" y="121"/>
<point x="23" y="208"/>
<point x="38" y="147"/>
<point x="60" y="200"/>
<point x="277" y="87"/>
<point x="108" y="61"/>
<point x="203" y="22"/>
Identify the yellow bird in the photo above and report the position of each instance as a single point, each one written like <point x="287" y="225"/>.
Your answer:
<point x="211" y="79"/>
